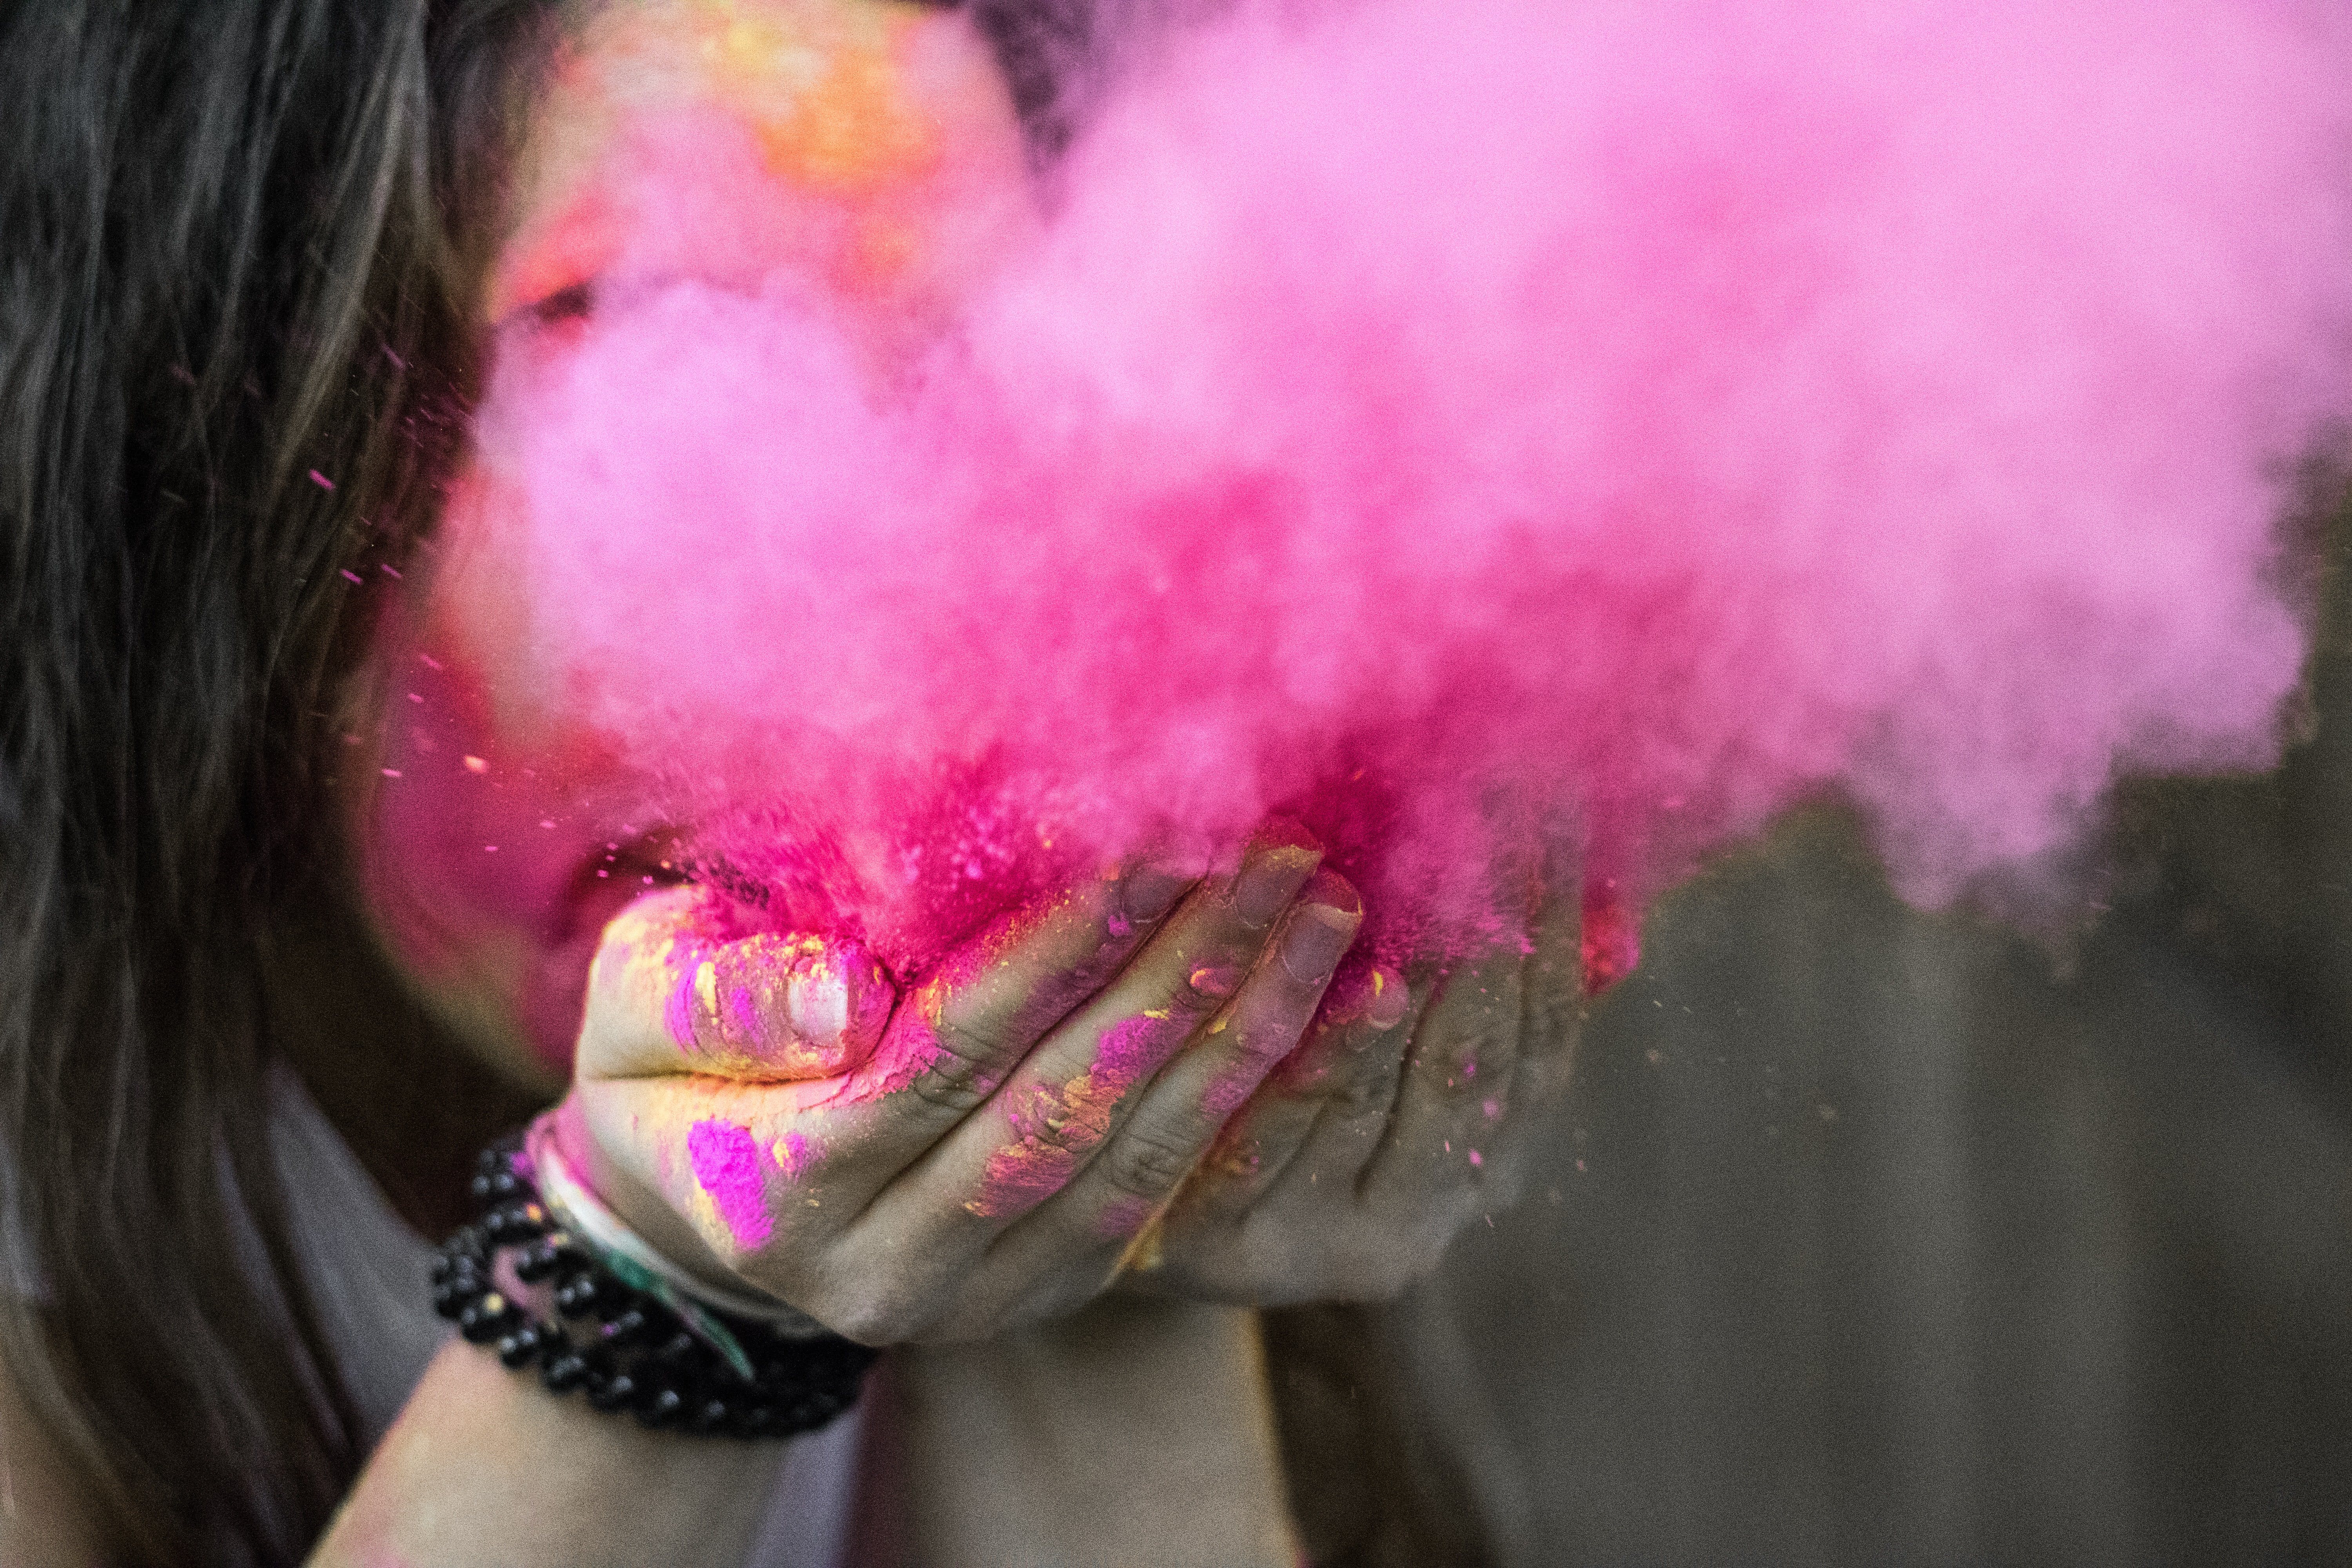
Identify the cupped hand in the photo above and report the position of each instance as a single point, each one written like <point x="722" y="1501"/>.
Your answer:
<point x="1407" y="1114"/>
<point x="980" y="1151"/>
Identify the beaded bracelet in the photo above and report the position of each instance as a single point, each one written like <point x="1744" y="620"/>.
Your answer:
<point x="670" y="1363"/>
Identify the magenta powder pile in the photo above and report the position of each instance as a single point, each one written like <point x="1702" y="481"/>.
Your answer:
<point x="1470" y="427"/>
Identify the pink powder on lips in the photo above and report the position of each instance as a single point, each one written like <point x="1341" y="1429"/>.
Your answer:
<point x="1639" y="417"/>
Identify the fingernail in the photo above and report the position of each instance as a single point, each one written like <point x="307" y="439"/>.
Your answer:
<point x="1332" y="890"/>
<point x="847" y="990"/>
<point x="798" y="1006"/>
<point x="1284" y="833"/>
<point x="1276" y="864"/>
<point x="1317" y="936"/>
<point x="1149" y="892"/>
<point x="1386" y="1000"/>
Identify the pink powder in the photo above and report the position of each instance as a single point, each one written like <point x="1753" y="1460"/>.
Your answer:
<point x="1471" y="427"/>
<point x="907" y="1053"/>
<point x="1132" y="1049"/>
<point x="727" y="1164"/>
<point x="1120" y="1220"/>
<point x="678" y="1013"/>
<point x="1053" y="1130"/>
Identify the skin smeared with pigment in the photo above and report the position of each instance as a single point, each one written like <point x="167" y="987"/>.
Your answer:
<point x="733" y="138"/>
<point x="1125" y="1219"/>
<point x="910" y="1046"/>
<point x="1056" y="1128"/>
<point x="1359" y="1008"/>
<point x="742" y="1003"/>
<point x="796" y="1153"/>
<point x="727" y="1170"/>
<point x="788" y="1007"/>
<point x="1378" y="994"/>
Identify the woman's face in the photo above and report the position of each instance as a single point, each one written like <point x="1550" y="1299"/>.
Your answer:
<point x="864" y="154"/>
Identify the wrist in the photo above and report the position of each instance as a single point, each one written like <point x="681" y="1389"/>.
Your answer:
<point x="628" y="1339"/>
<point x="576" y="1206"/>
<point x="486" y="1467"/>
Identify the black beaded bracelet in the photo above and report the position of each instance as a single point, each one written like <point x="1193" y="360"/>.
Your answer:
<point x="669" y="1364"/>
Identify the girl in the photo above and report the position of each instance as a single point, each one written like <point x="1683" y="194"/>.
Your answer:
<point x="261" y="255"/>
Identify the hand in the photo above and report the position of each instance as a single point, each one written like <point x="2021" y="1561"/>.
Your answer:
<point x="976" y="1152"/>
<point x="1407" y="1114"/>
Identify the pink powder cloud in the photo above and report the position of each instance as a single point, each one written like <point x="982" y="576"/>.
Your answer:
<point x="1468" y="424"/>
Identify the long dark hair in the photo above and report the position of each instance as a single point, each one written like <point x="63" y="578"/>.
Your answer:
<point x="234" y="298"/>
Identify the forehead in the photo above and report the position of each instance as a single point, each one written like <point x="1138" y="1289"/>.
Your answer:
<point x="870" y="109"/>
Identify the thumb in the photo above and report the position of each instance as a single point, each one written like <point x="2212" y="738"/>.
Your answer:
<point x="676" y="987"/>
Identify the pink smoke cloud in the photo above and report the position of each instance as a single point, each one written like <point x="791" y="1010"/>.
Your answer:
<point x="1469" y="425"/>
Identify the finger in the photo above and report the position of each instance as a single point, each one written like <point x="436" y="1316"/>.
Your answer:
<point x="678" y="986"/>
<point x="958" y="1035"/>
<point x="1553" y="1001"/>
<point x="1177" y="1117"/>
<point x="1552" y="998"/>
<point x="1273" y="1215"/>
<point x="1061" y="1103"/>
<point x="1469" y="1055"/>
<point x="1341" y="1080"/>
<point x="1456" y="1077"/>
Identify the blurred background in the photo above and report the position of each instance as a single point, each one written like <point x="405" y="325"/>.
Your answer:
<point x="1879" y="1237"/>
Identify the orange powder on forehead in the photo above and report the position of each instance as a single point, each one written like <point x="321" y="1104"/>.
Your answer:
<point x="830" y="105"/>
<point x="827" y="95"/>
<point x="857" y="131"/>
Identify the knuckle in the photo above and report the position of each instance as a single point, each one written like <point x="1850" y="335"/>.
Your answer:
<point x="1070" y="1138"/>
<point x="961" y="1071"/>
<point x="1148" y="1162"/>
<point x="1045" y="1123"/>
<point x="953" y="1090"/>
